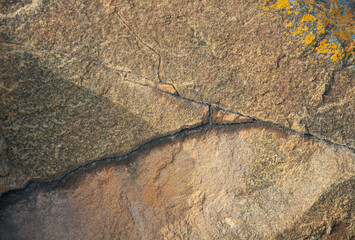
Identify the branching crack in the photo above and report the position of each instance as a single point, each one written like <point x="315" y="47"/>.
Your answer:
<point x="124" y="72"/>
<point x="33" y="183"/>
<point x="177" y="95"/>
<point x="146" y="45"/>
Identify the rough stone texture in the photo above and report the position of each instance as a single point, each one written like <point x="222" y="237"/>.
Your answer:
<point x="244" y="182"/>
<point x="82" y="83"/>
<point x="220" y="116"/>
<point x="230" y="53"/>
<point x="58" y="112"/>
<point x="10" y="177"/>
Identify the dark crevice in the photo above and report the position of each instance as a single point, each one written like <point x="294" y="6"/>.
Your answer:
<point x="10" y="196"/>
<point x="124" y="72"/>
<point x="33" y="183"/>
<point x="177" y="95"/>
<point x="233" y="112"/>
<point x="279" y="58"/>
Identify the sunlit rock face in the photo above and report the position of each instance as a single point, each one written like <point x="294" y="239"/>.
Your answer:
<point x="236" y="182"/>
<point x="58" y="113"/>
<point x="177" y="119"/>
<point x="91" y="79"/>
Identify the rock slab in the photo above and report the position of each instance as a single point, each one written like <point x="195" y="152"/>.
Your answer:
<point x="236" y="182"/>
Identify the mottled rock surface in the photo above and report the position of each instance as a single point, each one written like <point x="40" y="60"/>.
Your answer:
<point x="246" y="182"/>
<point x="58" y="111"/>
<point x="84" y="83"/>
<point x="231" y="53"/>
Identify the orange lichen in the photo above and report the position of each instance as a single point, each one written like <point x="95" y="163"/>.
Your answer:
<point x="320" y="28"/>
<point x="315" y="21"/>
<point x="281" y="4"/>
<point x="300" y="30"/>
<point x="309" y="39"/>
<point x="307" y="18"/>
<point x="324" y="48"/>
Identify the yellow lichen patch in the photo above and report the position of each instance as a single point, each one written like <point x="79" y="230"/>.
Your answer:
<point x="307" y="18"/>
<point x="335" y="58"/>
<point x="309" y="39"/>
<point x="320" y="28"/>
<point x="266" y="8"/>
<point x="324" y="48"/>
<point x="281" y="4"/>
<point x="288" y="24"/>
<point x="300" y="30"/>
<point x="341" y="25"/>
<point x="315" y="20"/>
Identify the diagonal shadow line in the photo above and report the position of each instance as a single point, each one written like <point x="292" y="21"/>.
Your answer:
<point x="103" y="64"/>
<point x="177" y="95"/>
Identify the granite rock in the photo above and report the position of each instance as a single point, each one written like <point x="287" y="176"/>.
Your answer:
<point x="58" y="112"/>
<point x="177" y="119"/>
<point x="247" y="181"/>
<point x="232" y="53"/>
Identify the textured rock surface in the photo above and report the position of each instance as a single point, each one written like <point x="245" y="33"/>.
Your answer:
<point x="230" y="53"/>
<point x="58" y="112"/>
<point x="236" y="182"/>
<point x="83" y="83"/>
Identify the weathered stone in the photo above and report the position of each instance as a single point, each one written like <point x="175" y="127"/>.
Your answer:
<point x="220" y="116"/>
<point x="236" y="182"/>
<point x="84" y="82"/>
<point x="169" y="88"/>
<point x="232" y="53"/>
<point x="58" y="111"/>
<point x="10" y="177"/>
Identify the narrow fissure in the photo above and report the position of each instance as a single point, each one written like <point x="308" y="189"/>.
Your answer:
<point x="106" y="159"/>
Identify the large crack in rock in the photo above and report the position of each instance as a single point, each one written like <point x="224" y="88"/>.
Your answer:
<point x="247" y="181"/>
<point x="231" y="53"/>
<point x="58" y="112"/>
<point x="109" y="114"/>
<point x="235" y="55"/>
